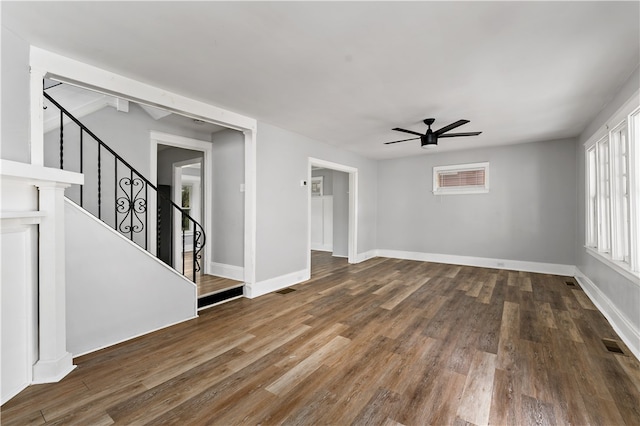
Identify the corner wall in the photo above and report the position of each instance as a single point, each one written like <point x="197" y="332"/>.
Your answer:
<point x="617" y="296"/>
<point x="282" y="203"/>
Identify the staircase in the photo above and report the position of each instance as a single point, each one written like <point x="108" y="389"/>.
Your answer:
<point x="121" y="197"/>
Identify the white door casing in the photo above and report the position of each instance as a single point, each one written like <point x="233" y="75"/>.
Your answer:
<point x="353" y="207"/>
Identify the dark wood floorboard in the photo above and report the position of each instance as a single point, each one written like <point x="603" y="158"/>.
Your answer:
<point x="383" y="342"/>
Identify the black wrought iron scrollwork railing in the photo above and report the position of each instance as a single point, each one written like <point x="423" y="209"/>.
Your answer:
<point x="110" y="179"/>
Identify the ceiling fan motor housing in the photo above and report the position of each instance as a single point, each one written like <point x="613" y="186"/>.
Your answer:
<point x="429" y="140"/>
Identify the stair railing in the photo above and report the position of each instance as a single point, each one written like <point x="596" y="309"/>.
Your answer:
<point x="115" y="180"/>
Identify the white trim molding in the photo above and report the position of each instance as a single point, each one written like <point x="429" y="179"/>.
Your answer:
<point x="71" y="71"/>
<point x="482" y="262"/>
<point x="361" y="257"/>
<point x="160" y="138"/>
<point x="323" y="247"/>
<point x="227" y="271"/>
<point x="619" y="267"/>
<point x="44" y="63"/>
<point x="353" y="207"/>
<point x="126" y="339"/>
<point x="274" y="284"/>
<point x="34" y="173"/>
<point x="629" y="334"/>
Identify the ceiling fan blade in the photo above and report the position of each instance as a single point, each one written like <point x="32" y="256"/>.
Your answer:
<point x="403" y="140"/>
<point x="451" y="127"/>
<point x="453" y="135"/>
<point x="407" y="131"/>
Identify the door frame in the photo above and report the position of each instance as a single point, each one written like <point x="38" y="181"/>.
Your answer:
<point x="352" y="238"/>
<point x="176" y="186"/>
<point x="159" y="138"/>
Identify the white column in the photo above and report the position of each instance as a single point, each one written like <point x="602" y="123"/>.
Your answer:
<point x="54" y="362"/>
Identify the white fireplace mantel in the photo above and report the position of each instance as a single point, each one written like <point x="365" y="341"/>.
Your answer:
<point x="32" y="203"/>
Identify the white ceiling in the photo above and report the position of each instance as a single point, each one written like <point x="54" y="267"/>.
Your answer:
<point x="347" y="72"/>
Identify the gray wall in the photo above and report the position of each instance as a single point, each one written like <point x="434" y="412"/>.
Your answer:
<point x="529" y="213"/>
<point x="14" y="144"/>
<point x="228" y="202"/>
<point x="624" y="294"/>
<point x="166" y="159"/>
<point x="282" y="208"/>
<point x="340" y="189"/>
<point x="126" y="133"/>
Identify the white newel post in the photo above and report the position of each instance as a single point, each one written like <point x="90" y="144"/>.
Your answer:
<point x="54" y="361"/>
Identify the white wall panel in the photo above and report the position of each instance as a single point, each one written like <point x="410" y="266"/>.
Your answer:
<point x="16" y="298"/>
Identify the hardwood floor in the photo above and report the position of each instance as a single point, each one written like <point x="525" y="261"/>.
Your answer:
<point x="381" y="342"/>
<point x="207" y="284"/>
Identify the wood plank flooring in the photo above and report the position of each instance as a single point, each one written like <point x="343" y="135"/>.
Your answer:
<point x="383" y="342"/>
<point x="207" y="284"/>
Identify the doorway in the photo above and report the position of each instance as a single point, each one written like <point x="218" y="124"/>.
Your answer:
<point x="333" y="206"/>
<point x="202" y="187"/>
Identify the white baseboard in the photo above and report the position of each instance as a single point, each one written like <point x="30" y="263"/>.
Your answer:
<point x="625" y="329"/>
<point x="135" y="336"/>
<point x="52" y="371"/>
<point x="321" y="247"/>
<point x="276" y="283"/>
<point x="482" y="262"/>
<point x="361" y="257"/>
<point x="226" y="271"/>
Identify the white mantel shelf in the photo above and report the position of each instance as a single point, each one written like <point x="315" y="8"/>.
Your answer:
<point x="19" y="215"/>
<point x="30" y="172"/>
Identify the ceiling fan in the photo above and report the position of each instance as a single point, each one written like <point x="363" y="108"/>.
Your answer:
<point x="430" y="138"/>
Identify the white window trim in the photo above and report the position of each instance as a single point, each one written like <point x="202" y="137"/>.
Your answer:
<point x="620" y="267"/>
<point x="623" y="117"/>
<point x="437" y="190"/>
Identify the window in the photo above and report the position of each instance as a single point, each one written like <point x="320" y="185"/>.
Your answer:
<point x="186" y="206"/>
<point x="592" y="201"/>
<point x="604" y="201"/>
<point x="461" y="179"/>
<point x="612" y="166"/>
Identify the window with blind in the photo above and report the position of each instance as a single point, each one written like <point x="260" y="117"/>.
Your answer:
<point x="461" y="179"/>
<point x="613" y="194"/>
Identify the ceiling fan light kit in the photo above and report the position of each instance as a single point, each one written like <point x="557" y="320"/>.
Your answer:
<point x="430" y="138"/>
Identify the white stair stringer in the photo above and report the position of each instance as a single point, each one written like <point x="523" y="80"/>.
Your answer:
<point x="115" y="289"/>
